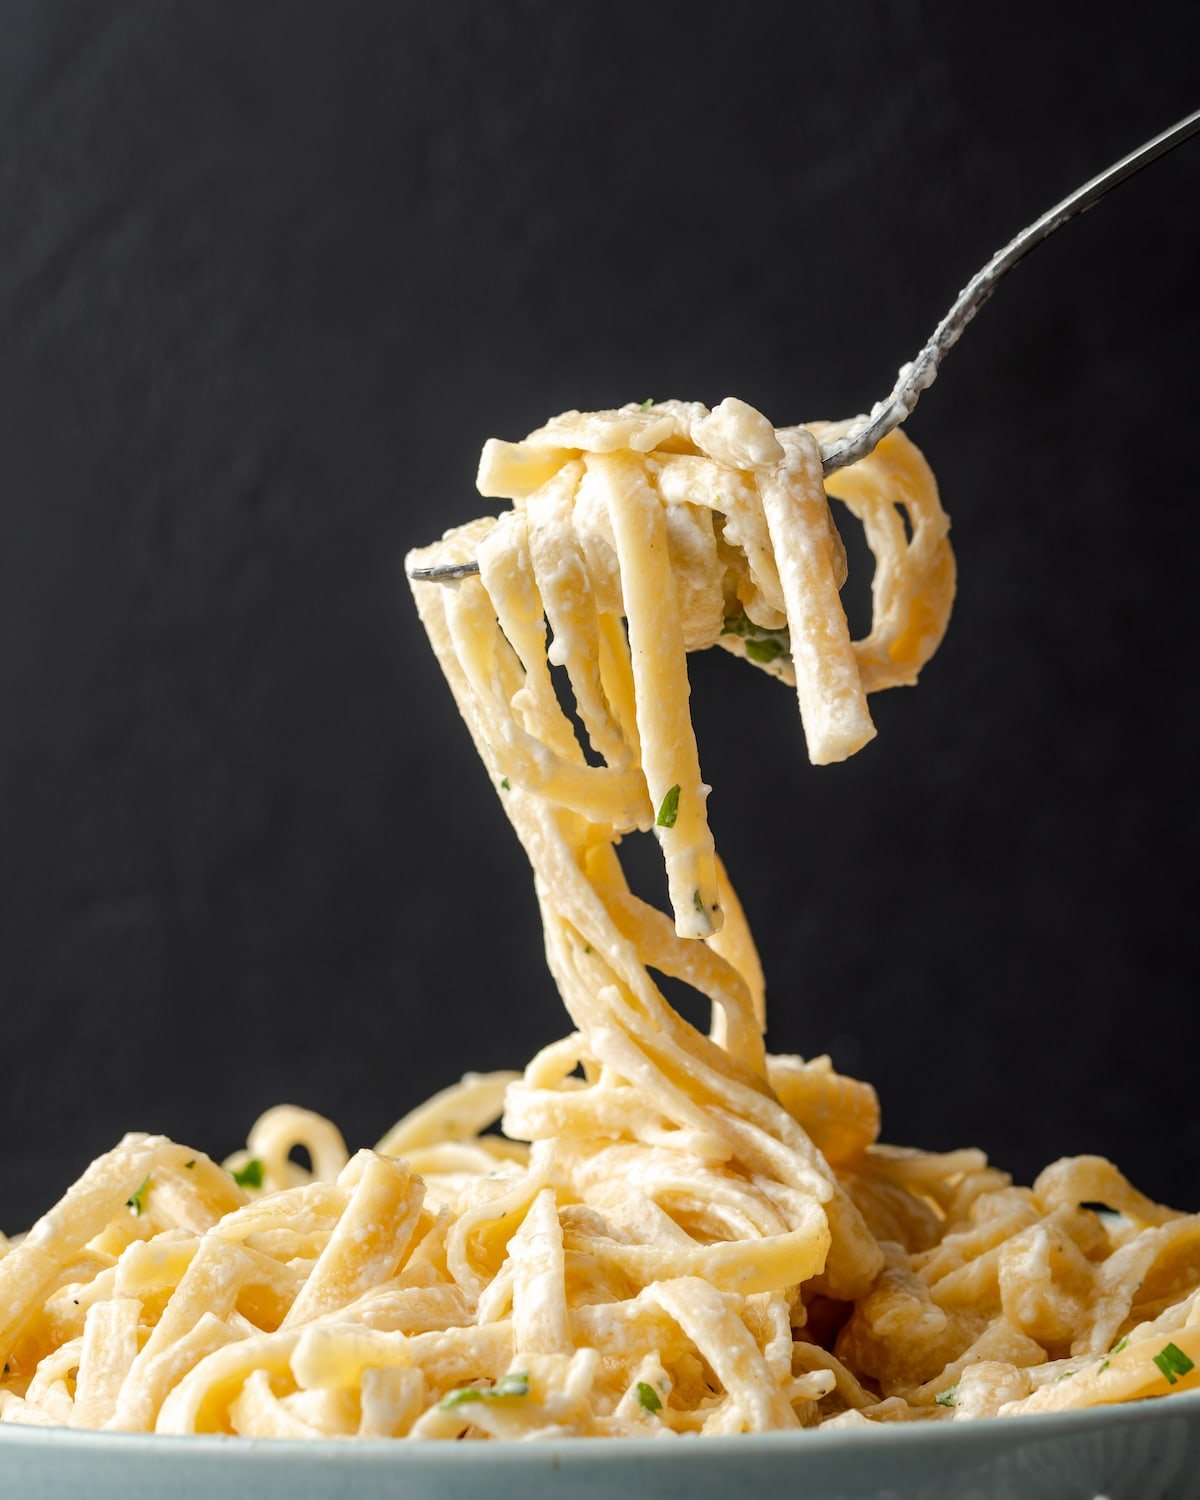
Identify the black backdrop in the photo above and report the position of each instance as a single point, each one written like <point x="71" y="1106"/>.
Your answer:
<point x="269" y="275"/>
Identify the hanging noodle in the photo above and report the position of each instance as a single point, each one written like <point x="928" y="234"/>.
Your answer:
<point x="677" y="1233"/>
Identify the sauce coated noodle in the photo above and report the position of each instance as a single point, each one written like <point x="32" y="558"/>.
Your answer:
<point x="676" y="1233"/>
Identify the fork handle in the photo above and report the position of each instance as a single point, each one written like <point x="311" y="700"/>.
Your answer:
<point x="921" y="373"/>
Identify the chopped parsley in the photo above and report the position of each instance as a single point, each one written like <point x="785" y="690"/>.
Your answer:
<point x="648" y="1397"/>
<point x="646" y="404"/>
<point x="1116" y="1349"/>
<point x="697" y="901"/>
<point x="190" y="1164"/>
<point x="948" y="1396"/>
<point x="587" y="947"/>
<point x="764" y="652"/>
<point x="514" y="1384"/>
<point x="506" y="784"/>
<point x="135" y="1203"/>
<point x="251" y="1175"/>
<point x="762" y="645"/>
<point x="668" y="809"/>
<point x="1173" y="1363"/>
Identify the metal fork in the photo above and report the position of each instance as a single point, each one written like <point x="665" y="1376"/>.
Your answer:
<point x="921" y="373"/>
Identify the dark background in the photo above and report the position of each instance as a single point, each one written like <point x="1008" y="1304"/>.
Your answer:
<point x="270" y="273"/>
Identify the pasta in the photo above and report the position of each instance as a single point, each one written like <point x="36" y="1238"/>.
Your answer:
<point x="676" y="1233"/>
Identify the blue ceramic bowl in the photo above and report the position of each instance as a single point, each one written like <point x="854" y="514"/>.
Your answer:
<point x="1134" y="1452"/>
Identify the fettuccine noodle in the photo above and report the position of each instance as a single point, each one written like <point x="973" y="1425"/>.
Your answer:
<point x="675" y="1233"/>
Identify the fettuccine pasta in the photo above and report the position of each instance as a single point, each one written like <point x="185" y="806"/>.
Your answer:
<point x="676" y="1232"/>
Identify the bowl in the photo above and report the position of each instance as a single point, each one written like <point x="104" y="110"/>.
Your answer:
<point x="1134" y="1452"/>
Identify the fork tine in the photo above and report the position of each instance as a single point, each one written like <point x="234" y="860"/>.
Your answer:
<point x="446" y="573"/>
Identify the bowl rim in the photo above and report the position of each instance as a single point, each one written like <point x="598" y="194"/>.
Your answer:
<point x="1005" y="1433"/>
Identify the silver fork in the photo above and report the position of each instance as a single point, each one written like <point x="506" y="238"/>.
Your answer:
<point x="921" y="373"/>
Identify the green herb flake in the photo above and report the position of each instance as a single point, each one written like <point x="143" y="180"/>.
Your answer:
<point x="762" y="645"/>
<point x="698" y="901"/>
<point x="766" y="651"/>
<point x="1064" y="1375"/>
<point x="745" y="627"/>
<point x="190" y="1164"/>
<point x="646" y="404"/>
<point x="648" y="1397"/>
<point x="514" y="1384"/>
<point x="668" y="809"/>
<point x="587" y="947"/>
<point x="251" y="1175"/>
<point x="1173" y="1363"/>
<point x="506" y="784"/>
<point x="1100" y="1369"/>
<point x="135" y="1203"/>
<point x="948" y="1396"/>
<point x="1116" y="1348"/>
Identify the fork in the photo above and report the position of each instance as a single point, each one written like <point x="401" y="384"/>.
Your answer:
<point x="920" y="374"/>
